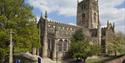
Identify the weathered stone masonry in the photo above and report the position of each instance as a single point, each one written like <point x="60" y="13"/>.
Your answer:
<point x="55" y="36"/>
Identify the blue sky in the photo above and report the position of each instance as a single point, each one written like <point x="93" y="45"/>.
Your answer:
<point x="56" y="16"/>
<point x="64" y="11"/>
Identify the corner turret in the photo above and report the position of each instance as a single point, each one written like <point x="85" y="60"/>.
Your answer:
<point x="46" y="15"/>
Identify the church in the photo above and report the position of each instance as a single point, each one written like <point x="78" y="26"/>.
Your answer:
<point x="55" y="36"/>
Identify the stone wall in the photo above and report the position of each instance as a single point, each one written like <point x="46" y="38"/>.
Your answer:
<point x="117" y="60"/>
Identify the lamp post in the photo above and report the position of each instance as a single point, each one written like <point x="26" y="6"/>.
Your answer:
<point x="11" y="48"/>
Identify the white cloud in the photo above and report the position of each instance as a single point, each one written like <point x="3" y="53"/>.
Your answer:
<point x="63" y="7"/>
<point x="72" y="24"/>
<point x="108" y="10"/>
<point x="37" y="18"/>
<point x="120" y="29"/>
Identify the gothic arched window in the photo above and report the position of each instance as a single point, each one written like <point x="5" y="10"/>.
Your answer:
<point x="65" y="45"/>
<point x="83" y="6"/>
<point x="95" y="17"/>
<point x="83" y="16"/>
<point x="50" y="44"/>
<point x="60" y="44"/>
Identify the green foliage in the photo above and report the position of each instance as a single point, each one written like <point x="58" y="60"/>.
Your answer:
<point x="78" y="36"/>
<point x="81" y="47"/>
<point x="16" y="15"/>
<point x="3" y="44"/>
<point x="116" y="44"/>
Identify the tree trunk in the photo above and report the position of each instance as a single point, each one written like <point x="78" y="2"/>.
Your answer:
<point x="3" y="60"/>
<point x="84" y="60"/>
<point x="115" y="53"/>
<point x="34" y="51"/>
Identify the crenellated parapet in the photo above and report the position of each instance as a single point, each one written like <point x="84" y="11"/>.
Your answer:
<point x="111" y="26"/>
<point x="61" y="26"/>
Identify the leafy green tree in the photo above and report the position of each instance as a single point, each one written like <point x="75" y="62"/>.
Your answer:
<point x="16" y="15"/>
<point x="116" y="44"/>
<point x="81" y="47"/>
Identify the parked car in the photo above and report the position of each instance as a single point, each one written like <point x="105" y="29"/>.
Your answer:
<point x="27" y="58"/>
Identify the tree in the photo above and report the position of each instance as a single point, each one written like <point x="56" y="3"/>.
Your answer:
<point x="17" y="15"/>
<point x="81" y="47"/>
<point x="116" y="44"/>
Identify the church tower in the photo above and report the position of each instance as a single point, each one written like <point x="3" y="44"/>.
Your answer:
<point x="88" y="14"/>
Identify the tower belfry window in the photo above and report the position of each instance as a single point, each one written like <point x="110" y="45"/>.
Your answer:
<point x="83" y="15"/>
<point x="94" y="17"/>
<point x="83" y="6"/>
<point x="83" y="18"/>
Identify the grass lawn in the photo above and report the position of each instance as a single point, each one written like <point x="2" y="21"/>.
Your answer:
<point x="93" y="61"/>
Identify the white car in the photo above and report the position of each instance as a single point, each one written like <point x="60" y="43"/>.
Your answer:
<point x="34" y="58"/>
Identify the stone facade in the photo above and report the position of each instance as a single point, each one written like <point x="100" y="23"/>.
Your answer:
<point x="55" y="36"/>
<point x="107" y="34"/>
<point x="88" y="14"/>
<point x="88" y="17"/>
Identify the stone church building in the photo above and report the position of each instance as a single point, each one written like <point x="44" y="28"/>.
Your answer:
<point x="55" y="36"/>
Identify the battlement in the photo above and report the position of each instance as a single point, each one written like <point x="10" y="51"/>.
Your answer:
<point x="60" y="24"/>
